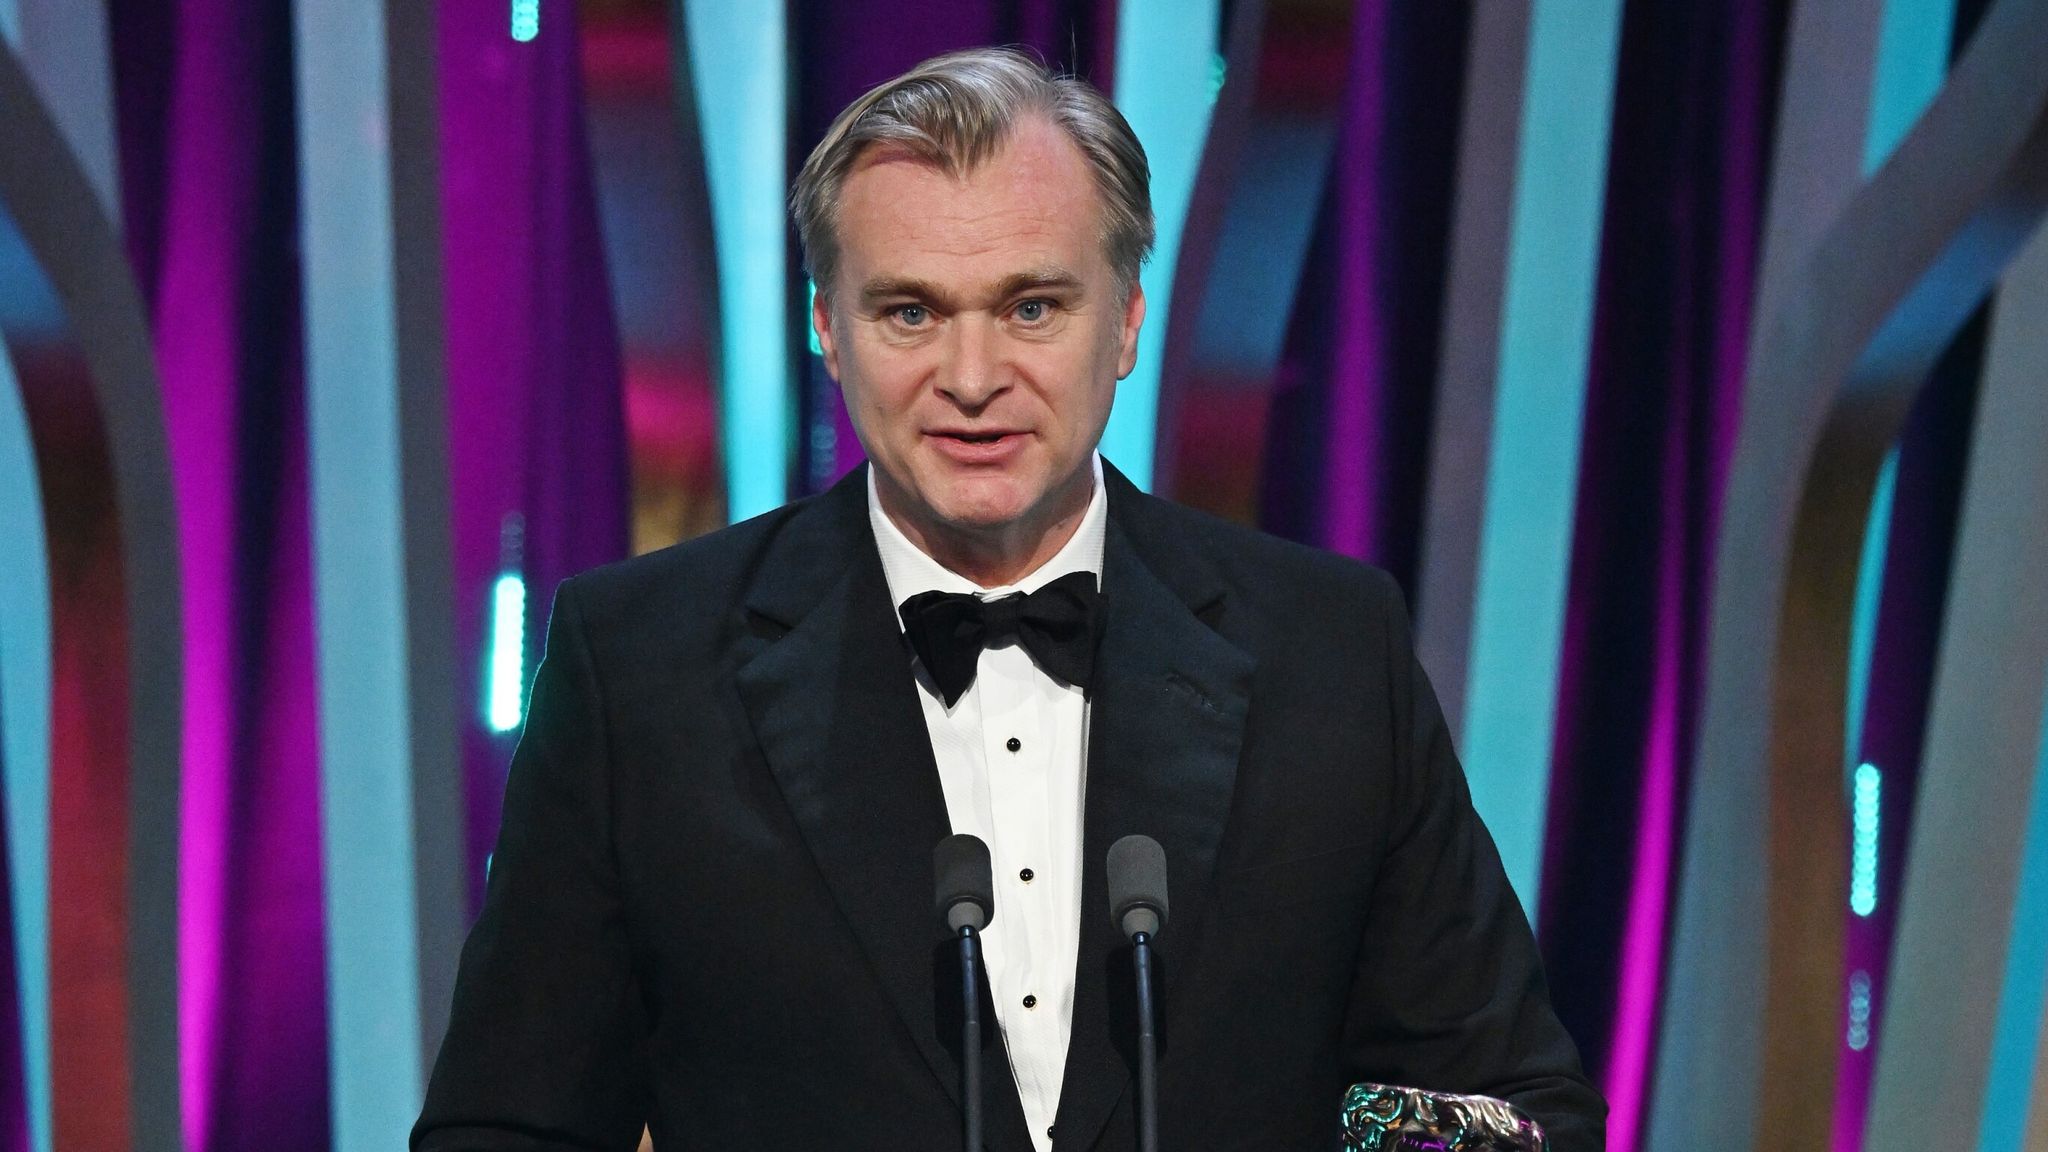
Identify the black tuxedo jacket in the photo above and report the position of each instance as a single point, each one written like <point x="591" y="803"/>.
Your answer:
<point x="710" y="907"/>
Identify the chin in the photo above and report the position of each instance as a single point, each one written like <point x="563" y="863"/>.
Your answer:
<point x="991" y="500"/>
<point x="981" y="513"/>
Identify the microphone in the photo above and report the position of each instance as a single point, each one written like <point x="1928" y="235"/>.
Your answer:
<point x="1137" y="900"/>
<point x="1137" y="885"/>
<point x="965" y="883"/>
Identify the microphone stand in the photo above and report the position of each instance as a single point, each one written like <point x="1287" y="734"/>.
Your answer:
<point x="1148" y="1046"/>
<point x="966" y="902"/>
<point x="970" y="1036"/>
<point x="1137" y="898"/>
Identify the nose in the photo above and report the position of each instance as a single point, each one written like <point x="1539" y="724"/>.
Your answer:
<point x="972" y="373"/>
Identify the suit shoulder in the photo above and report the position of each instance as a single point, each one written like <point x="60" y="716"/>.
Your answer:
<point x="1269" y="569"/>
<point x="707" y="570"/>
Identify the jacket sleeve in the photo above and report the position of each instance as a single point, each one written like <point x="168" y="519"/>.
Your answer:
<point x="545" y="1048"/>
<point x="1449" y="995"/>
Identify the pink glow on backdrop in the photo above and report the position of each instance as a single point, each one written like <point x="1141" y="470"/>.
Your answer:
<point x="535" y="394"/>
<point x="1680" y="645"/>
<point x="1353" y="458"/>
<point x="251" y="1001"/>
<point x="671" y="418"/>
<point x="625" y="56"/>
<point x="1641" y="966"/>
<point x="1642" y="941"/>
<point x="210" y="189"/>
<point x="1642" y="958"/>
<point x="491" y="283"/>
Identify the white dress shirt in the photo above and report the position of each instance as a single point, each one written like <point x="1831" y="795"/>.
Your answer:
<point x="1012" y="757"/>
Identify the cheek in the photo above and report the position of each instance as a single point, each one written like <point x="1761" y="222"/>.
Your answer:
<point x="1077" y="381"/>
<point x="863" y="412"/>
<point x="1097" y="385"/>
<point x="875" y="382"/>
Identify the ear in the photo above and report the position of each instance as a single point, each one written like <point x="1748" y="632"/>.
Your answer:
<point x="821" y="324"/>
<point x="1134" y="319"/>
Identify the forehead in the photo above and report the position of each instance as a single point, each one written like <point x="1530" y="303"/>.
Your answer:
<point x="1033" y="202"/>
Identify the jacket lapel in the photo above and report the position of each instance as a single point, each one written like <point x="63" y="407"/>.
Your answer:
<point x="826" y="680"/>
<point x="1165" y="728"/>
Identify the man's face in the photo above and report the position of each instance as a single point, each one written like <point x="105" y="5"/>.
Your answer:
<point x="975" y="328"/>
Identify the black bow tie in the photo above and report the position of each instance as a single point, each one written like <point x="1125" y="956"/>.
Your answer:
<point x="1057" y="625"/>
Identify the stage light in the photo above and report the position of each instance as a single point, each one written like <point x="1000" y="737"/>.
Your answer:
<point x="1863" y="860"/>
<point x="508" y="652"/>
<point x="525" y="20"/>
<point x="1859" y="1011"/>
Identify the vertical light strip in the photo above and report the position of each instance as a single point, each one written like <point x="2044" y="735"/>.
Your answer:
<point x="505" y="662"/>
<point x="1912" y="61"/>
<point x="1166" y="83"/>
<point x="355" y="471"/>
<point x="508" y="652"/>
<point x="25" y="739"/>
<point x="1858" y="1035"/>
<point x="1869" y="595"/>
<point x="738" y="66"/>
<point x="1533" y="465"/>
<point x="525" y="20"/>
<point x="1356" y="402"/>
<point x="1642" y="940"/>
<point x="2023" y="1002"/>
<point x="1913" y="39"/>
<point x="1864" y="808"/>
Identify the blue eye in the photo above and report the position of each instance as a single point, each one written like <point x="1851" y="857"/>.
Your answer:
<point x="911" y="315"/>
<point x="1032" y="311"/>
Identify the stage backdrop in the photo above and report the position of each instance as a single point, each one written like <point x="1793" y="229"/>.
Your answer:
<point x="1681" y="362"/>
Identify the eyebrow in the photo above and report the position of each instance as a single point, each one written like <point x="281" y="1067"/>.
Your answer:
<point x="1037" y="279"/>
<point x="1049" y="278"/>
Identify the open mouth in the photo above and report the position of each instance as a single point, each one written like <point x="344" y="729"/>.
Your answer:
<point x="977" y="447"/>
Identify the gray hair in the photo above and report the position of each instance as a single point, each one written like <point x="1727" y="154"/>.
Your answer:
<point x="955" y="111"/>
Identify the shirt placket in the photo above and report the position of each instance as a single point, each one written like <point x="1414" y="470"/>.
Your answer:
<point x="1017" y="746"/>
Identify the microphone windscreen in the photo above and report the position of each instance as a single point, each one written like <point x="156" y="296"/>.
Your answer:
<point x="1137" y="885"/>
<point x="965" y="882"/>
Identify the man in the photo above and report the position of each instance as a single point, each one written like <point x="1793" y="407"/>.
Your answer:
<point x="710" y="907"/>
